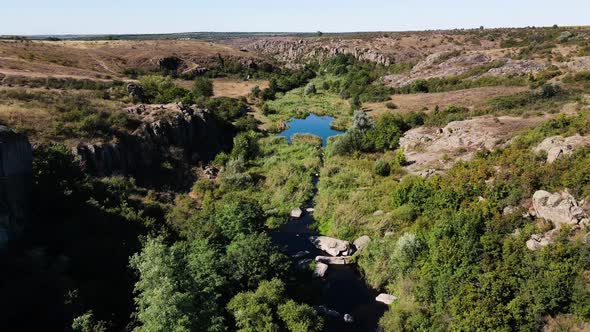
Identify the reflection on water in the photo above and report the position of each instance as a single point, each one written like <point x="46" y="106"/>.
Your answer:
<point x="313" y="124"/>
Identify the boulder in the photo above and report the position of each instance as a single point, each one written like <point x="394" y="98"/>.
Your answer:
<point x="559" y="208"/>
<point x="296" y="213"/>
<point x="348" y="318"/>
<point x="320" y="270"/>
<point x="386" y="298"/>
<point x="322" y="310"/>
<point x="341" y="260"/>
<point x="378" y="213"/>
<point x="16" y="160"/>
<point x="331" y="246"/>
<point x="361" y="242"/>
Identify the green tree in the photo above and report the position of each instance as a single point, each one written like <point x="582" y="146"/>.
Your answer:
<point x="202" y="87"/>
<point x="266" y="309"/>
<point x="253" y="258"/>
<point x="239" y="216"/>
<point x="245" y="146"/>
<point x="300" y="317"/>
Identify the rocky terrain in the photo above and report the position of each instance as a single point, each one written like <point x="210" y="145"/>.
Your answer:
<point x="194" y="131"/>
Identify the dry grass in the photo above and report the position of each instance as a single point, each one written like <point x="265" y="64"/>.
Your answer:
<point x="471" y="98"/>
<point x="104" y="59"/>
<point x="236" y="88"/>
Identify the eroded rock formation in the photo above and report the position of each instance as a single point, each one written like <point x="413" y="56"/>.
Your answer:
<point x="558" y="147"/>
<point x="164" y="128"/>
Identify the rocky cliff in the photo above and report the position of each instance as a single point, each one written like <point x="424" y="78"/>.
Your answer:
<point x="193" y="133"/>
<point x="16" y="160"/>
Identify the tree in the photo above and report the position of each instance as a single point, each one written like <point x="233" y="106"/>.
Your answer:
<point x="266" y="310"/>
<point x="300" y="317"/>
<point x="239" y="216"/>
<point x="202" y="87"/>
<point x="178" y="287"/>
<point x="253" y="258"/>
<point x="245" y="146"/>
<point x="255" y="91"/>
<point x="161" y="90"/>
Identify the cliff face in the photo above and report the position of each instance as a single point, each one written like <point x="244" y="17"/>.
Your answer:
<point x="16" y="159"/>
<point x="165" y="129"/>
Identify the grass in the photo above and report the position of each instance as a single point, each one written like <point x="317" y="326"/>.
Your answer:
<point x="296" y="104"/>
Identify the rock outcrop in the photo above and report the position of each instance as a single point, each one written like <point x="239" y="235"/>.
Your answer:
<point x="386" y="298"/>
<point x="320" y="270"/>
<point x="558" y="147"/>
<point x="430" y="148"/>
<point x="361" y="242"/>
<point x="560" y="209"/>
<point x="339" y="260"/>
<point x="16" y="159"/>
<point x="332" y="246"/>
<point x="196" y="132"/>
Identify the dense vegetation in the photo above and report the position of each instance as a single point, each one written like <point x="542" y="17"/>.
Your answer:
<point x="105" y="254"/>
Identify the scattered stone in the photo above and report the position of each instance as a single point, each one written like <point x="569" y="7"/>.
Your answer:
<point x="322" y="310"/>
<point x="332" y="246"/>
<point x="378" y="213"/>
<point x="348" y="318"/>
<point x="296" y="213"/>
<point x="341" y="260"/>
<point x="389" y="233"/>
<point x="301" y="254"/>
<point x="386" y="298"/>
<point x="320" y="270"/>
<point x="304" y="263"/>
<point x="361" y="242"/>
<point x="508" y="210"/>
<point x="310" y="210"/>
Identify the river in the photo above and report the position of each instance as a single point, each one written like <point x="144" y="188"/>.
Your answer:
<point x="342" y="288"/>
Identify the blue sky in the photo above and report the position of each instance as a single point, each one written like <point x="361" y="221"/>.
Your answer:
<point x="150" y="16"/>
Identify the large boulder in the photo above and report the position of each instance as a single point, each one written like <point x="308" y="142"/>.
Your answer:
<point x="16" y="160"/>
<point x="296" y="213"/>
<point x="559" y="208"/>
<point x="558" y="147"/>
<point x="386" y="298"/>
<point x="320" y="270"/>
<point x="361" y="242"/>
<point x="332" y="246"/>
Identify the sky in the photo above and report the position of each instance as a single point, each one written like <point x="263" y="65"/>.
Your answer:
<point x="49" y="17"/>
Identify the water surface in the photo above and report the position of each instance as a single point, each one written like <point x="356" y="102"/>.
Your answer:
<point x="313" y="124"/>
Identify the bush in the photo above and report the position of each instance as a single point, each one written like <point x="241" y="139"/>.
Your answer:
<point x="161" y="90"/>
<point x="390" y="105"/>
<point x="381" y="168"/>
<point x="310" y="89"/>
<point x="202" y="87"/>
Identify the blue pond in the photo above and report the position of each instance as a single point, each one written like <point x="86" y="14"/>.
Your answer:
<point x="313" y="124"/>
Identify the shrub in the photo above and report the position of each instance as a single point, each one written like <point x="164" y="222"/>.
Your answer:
<point x="310" y="89"/>
<point x="381" y="168"/>
<point x="391" y="105"/>
<point x="202" y="87"/>
<point x="161" y="90"/>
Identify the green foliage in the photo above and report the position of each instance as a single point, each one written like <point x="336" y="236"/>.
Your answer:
<point x="310" y="89"/>
<point x="253" y="258"/>
<point x="161" y="90"/>
<point x="177" y="287"/>
<point x="245" y="146"/>
<point x="381" y="168"/>
<point x="266" y="309"/>
<point x="202" y="87"/>
<point x="86" y="323"/>
<point x="239" y="216"/>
